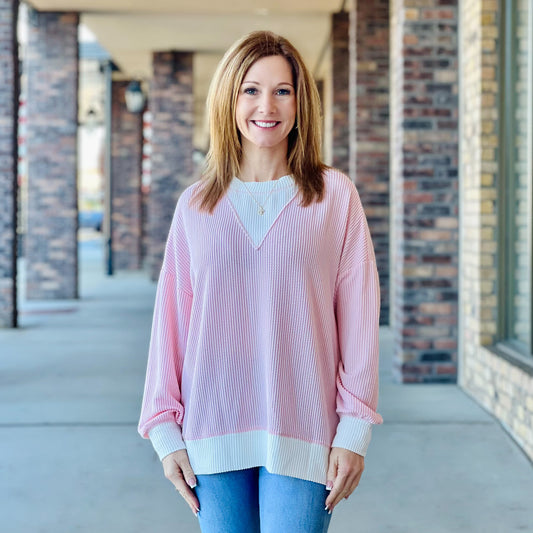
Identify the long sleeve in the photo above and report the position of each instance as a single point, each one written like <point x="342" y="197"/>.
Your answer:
<point x="357" y="308"/>
<point x="162" y="408"/>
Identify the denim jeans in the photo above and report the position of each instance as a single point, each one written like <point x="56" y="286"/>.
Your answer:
<point x="256" y="501"/>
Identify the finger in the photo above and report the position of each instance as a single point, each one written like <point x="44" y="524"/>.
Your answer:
<point x="337" y="491"/>
<point x="187" y="471"/>
<point x="332" y="472"/>
<point x="344" y="486"/>
<point x="188" y="495"/>
<point x="353" y="486"/>
<point x="176" y="478"/>
<point x="174" y="473"/>
<point x="352" y="483"/>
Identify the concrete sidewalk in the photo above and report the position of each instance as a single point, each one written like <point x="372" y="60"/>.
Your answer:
<point x="71" y="382"/>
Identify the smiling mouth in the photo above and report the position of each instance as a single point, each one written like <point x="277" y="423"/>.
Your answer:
<point x="262" y="124"/>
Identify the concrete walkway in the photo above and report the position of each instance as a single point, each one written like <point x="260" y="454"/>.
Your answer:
<point x="71" y="382"/>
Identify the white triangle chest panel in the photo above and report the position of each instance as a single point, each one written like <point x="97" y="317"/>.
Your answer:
<point x="258" y="204"/>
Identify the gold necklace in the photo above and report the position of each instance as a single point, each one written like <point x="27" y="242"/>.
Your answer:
<point x="261" y="207"/>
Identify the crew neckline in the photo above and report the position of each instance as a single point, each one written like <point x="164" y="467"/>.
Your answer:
<point x="277" y="183"/>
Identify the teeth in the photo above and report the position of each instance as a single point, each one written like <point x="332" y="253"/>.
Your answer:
<point x="265" y="124"/>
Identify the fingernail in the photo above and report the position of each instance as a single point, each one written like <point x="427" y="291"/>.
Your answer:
<point x="329" y="512"/>
<point x="326" y="508"/>
<point x="329" y="485"/>
<point x="191" y="482"/>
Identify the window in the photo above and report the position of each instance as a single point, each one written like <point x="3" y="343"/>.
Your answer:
<point x="516" y="173"/>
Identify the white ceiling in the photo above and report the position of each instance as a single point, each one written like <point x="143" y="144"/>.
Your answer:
<point x="131" y="30"/>
<point x="188" y="6"/>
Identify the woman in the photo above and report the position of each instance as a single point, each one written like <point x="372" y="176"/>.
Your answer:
<point x="262" y="378"/>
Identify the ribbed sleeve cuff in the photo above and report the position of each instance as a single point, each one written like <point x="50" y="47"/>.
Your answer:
<point x="166" y="438"/>
<point x="353" y="434"/>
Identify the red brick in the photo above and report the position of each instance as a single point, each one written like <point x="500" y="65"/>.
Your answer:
<point x="418" y="198"/>
<point x="417" y="344"/>
<point x="414" y="368"/>
<point x="445" y="344"/>
<point x="440" y="308"/>
<point x="446" y="369"/>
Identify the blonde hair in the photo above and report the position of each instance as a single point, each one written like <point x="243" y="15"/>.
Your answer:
<point x="225" y="151"/>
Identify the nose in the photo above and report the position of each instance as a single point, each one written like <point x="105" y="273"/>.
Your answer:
<point x="267" y="105"/>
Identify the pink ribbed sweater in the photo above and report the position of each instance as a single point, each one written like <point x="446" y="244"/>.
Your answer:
<point x="265" y="355"/>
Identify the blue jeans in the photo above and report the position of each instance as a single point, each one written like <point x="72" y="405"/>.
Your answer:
<point x="256" y="501"/>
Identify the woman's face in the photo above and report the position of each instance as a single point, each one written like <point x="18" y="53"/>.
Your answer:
<point x="266" y="104"/>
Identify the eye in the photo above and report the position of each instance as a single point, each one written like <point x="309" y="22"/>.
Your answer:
<point x="250" y="90"/>
<point x="283" y="92"/>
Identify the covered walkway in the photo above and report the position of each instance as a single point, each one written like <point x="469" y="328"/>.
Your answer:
<point x="70" y="388"/>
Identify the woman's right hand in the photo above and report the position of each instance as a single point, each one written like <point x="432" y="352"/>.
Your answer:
<point x="179" y="472"/>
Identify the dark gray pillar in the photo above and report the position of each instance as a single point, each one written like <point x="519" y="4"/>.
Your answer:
<point x="171" y="105"/>
<point x="9" y="96"/>
<point x="340" y="32"/>
<point x="424" y="190"/>
<point x="126" y="160"/>
<point x="52" y="69"/>
<point x="369" y="126"/>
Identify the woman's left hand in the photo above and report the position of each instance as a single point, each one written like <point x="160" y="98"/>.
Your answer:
<point x="344" y="472"/>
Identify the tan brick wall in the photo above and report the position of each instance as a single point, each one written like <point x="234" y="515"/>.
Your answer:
<point x="502" y="388"/>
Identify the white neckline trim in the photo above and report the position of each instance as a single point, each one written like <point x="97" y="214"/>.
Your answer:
<point x="279" y="194"/>
<point x="262" y="186"/>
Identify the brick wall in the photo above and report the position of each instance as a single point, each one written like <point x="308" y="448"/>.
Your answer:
<point x="503" y="388"/>
<point x="126" y="160"/>
<point x="369" y="126"/>
<point x="9" y="95"/>
<point x="52" y="78"/>
<point x="171" y="107"/>
<point x="424" y="190"/>
<point x="340" y="60"/>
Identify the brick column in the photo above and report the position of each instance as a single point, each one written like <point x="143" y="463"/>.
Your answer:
<point x="9" y="95"/>
<point x="424" y="195"/>
<point x="171" y="106"/>
<point x="52" y="70"/>
<point x="340" y="26"/>
<point x="369" y="125"/>
<point x="126" y="160"/>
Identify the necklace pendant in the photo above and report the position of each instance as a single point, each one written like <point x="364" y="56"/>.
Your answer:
<point x="261" y="211"/>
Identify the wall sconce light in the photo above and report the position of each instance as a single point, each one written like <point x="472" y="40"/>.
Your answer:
<point x="135" y="98"/>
